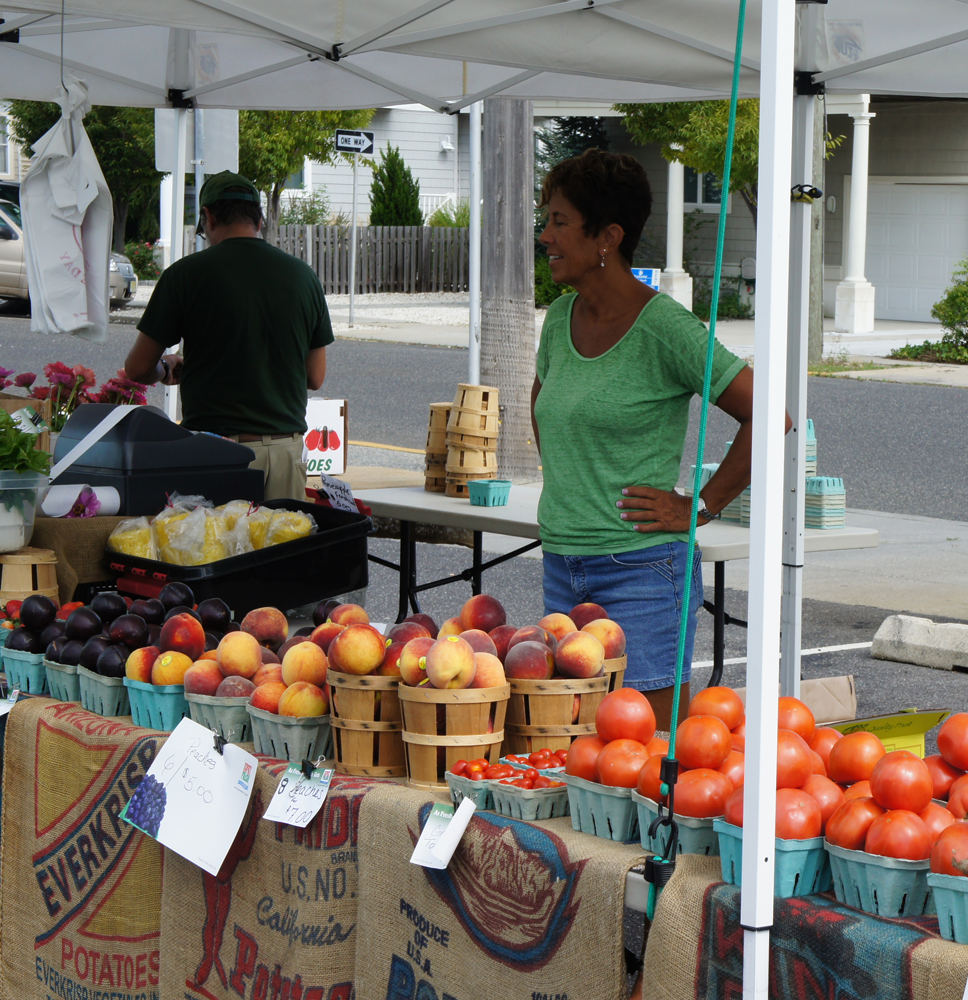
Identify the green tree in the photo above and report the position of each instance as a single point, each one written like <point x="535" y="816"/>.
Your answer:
<point x="564" y="138"/>
<point x="952" y="310"/>
<point x="123" y="140"/>
<point x="274" y="145"/>
<point x="394" y="194"/>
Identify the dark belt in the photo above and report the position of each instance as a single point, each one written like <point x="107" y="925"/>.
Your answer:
<point x="246" y="438"/>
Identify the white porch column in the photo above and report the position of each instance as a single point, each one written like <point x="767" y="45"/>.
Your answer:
<point x="674" y="281"/>
<point x="854" y="310"/>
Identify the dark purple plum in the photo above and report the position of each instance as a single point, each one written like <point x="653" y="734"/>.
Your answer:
<point x="130" y="631"/>
<point x="82" y="624"/>
<point x="305" y="630"/>
<point x="173" y="594"/>
<point x="322" y="610"/>
<point x="154" y="634"/>
<point x="37" y="612"/>
<point x="53" y="651"/>
<point x="233" y="627"/>
<point x="211" y="640"/>
<point x="70" y="653"/>
<point x="152" y="610"/>
<point x="111" y="662"/>
<point x="108" y="606"/>
<point x="53" y="631"/>
<point x="215" y="614"/>
<point x="24" y="640"/>
<point x="182" y="609"/>
<point x="93" y="648"/>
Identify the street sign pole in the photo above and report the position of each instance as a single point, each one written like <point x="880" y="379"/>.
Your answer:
<point x="356" y="170"/>
<point x="355" y="142"/>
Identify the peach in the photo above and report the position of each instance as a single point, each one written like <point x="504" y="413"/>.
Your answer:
<point x="484" y="612"/>
<point x="324" y="634"/>
<point x="529" y="661"/>
<point x="558" y="625"/>
<point x="421" y="619"/>
<point x="267" y="672"/>
<point x="209" y="654"/>
<point x="532" y="633"/>
<point x="609" y="634"/>
<point x="412" y="661"/>
<point x="358" y="649"/>
<point x="268" y="656"/>
<point x="490" y="671"/>
<point x="235" y="687"/>
<point x="349" y="614"/>
<point x="182" y="634"/>
<point x="390" y="667"/>
<point x="266" y="696"/>
<point x="405" y="631"/>
<point x="450" y="627"/>
<point x="575" y="708"/>
<point x="479" y="641"/>
<point x="303" y="699"/>
<point x="139" y="663"/>
<point x="501" y="636"/>
<point x="170" y="668"/>
<point x="239" y="654"/>
<point x="582" y="614"/>
<point x="203" y="677"/>
<point x="305" y="662"/>
<point x="450" y="663"/>
<point x="268" y="625"/>
<point x="580" y="654"/>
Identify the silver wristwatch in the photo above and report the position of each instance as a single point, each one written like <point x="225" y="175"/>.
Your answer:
<point x="708" y="515"/>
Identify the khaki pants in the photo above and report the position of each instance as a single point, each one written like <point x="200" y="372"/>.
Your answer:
<point x="281" y="461"/>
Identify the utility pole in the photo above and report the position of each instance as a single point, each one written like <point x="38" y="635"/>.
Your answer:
<point x="817" y="209"/>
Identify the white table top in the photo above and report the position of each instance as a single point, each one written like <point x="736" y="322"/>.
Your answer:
<point x="519" y="517"/>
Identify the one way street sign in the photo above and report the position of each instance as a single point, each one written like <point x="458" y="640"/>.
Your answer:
<point x="353" y="141"/>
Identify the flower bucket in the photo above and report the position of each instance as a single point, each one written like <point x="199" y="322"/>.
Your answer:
<point x="18" y="507"/>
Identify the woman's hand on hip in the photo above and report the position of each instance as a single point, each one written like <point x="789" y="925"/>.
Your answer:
<point x="655" y="510"/>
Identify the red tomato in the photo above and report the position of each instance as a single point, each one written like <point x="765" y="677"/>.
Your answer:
<point x="796" y="717"/>
<point x="313" y="438"/>
<point x="817" y="765"/>
<point x="953" y="741"/>
<point x="538" y="756"/>
<point x="853" y="758"/>
<point x="584" y="753"/>
<point x="619" y="762"/>
<point x="740" y="730"/>
<point x="557" y="784"/>
<point x="723" y="702"/>
<point x="899" y="833"/>
<point x="942" y="775"/>
<point x="734" y="767"/>
<point x="531" y="773"/>
<point x="797" y="815"/>
<point x="828" y="794"/>
<point x="949" y="856"/>
<point x="459" y="767"/>
<point x="521" y="783"/>
<point x="733" y="809"/>
<point x="702" y="792"/>
<point x="901" y="781"/>
<point x="958" y="803"/>
<point x="649" y="783"/>
<point x="821" y="742"/>
<point x="936" y="818"/>
<point x="957" y="785"/>
<point x="739" y="743"/>
<point x="475" y="775"/>
<point x="793" y="763"/>
<point x="702" y="741"/>
<point x="858" y="790"/>
<point x="541" y="782"/>
<point x="625" y="714"/>
<point x="657" y="745"/>
<point x="848" y="826"/>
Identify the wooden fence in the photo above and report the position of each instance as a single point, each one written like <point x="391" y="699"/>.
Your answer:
<point x="388" y="258"/>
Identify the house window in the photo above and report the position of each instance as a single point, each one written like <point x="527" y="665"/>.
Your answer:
<point x="702" y="192"/>
<point x="4" y="145"/>
<point x="297" y="181"/>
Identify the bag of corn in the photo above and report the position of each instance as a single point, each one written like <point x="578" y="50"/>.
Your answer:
<point x="134" y="538"/>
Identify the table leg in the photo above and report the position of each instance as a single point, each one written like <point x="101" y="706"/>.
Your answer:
<point x="407" y="569"/>
<point x="478" y="558"/>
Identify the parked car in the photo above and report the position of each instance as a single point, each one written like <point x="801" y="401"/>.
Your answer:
<point x="10" y="191"/>
<point x="13" y="266"/>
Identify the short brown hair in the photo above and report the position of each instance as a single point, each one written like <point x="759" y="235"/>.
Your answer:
<point x="227" y="211"/>
<point x="606" y="188"/>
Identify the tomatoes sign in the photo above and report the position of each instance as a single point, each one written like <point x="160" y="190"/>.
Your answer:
<point x="324" y="443"/>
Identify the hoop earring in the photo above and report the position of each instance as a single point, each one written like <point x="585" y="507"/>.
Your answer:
<point x="603" y="258"/>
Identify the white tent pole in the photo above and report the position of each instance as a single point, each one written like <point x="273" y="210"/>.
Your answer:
<point x="772" y="254"/>
<point x="474" y="255"/>
<point x="177" y="221"/>
<point x="796" y="399"/>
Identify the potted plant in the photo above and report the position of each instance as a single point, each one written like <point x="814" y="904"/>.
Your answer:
<point x="23" y="474"/>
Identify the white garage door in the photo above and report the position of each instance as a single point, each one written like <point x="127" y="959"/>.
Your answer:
<point x="916" y="235"/>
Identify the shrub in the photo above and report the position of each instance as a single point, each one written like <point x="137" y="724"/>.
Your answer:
<point x="456" y="216"/>
<point x="545" y="290"/>
<point x="311" y="211"/>
<point x="142" y="257"/>
<point x="394" y="194"/>
<point x="952" y="311"/>
<point x="730" y="306"/>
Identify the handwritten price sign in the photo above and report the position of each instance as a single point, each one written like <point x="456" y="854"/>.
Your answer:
<point x="298" y="798"/>
<point x="193" y="798"/>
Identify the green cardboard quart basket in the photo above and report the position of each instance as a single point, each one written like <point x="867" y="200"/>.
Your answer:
<point x="951" y="901"/>
<point x="105" y="696"/>
<point x="156" y="706"/>
<point x="489" y="492"/>
<point x="25" y="671"/>
<point x="479" y="792"/>
<point x="801" y="867"/>
<point x="601" y="810"/>
<point x="696" y="836"/>
<point x="888" y="887"/>
<point x="62" y="681"/>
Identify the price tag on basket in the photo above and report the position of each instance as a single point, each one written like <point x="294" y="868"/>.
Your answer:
<point x="194" y="796"/>
<point x="9" y="702"/>
<point x="441" y="834"/>
<point x="298" y="798"/>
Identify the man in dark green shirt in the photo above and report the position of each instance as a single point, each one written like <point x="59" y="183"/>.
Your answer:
<point x="255" y="328"/>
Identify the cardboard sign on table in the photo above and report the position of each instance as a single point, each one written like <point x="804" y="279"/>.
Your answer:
<point x="324" y="443"/>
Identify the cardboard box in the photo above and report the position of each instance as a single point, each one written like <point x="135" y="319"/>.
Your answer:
<point x="11" y="402"/>
<point x="829" y="698"/>
<point x="324" y="443"/>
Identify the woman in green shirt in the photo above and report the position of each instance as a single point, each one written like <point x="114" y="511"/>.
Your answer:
<point x="616" y="368"/>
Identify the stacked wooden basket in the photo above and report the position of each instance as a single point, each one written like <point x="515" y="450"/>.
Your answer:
<point x="468" y="445"/>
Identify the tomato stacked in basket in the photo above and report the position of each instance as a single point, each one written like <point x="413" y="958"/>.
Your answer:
<point x="525" y="775"/>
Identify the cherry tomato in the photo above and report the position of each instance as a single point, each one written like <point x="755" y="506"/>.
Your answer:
<point x="942" y="775"/>
<point x="521" y="783"/>
<point x="702" y="741"/>
<point x="649" y="782"/>
<point x="853" y="758"/>
<point x="625" y="714"/>
<point x="531" y="773"/>
<point x="557" y="784"/>
<point x="822" y="740"/>
<point x="858" y="790"/>
<point x="793" y="763"/>
<point x="796" y="717"/>
<point x="953" y="741"/>
<point x="459" y="767"/>
<point x="476" y="775"/>
<point x="584" y="753"/>
<point x="537" y="757"/>
<point x="723" y="702"/>
<point x="936" y="818"/>
<point x="798" y="815"/>
<point x="949" y="856"/>
<point x="734" y="767"/>
<point x="901" y="781"/>
<point x="541" y="782"/>
<point x="848" y="826"/>
<point x="829" y="796"/>
<point x="702" y="792"/>
<point x="620" y="761"/>
<point x="899" y="833"/>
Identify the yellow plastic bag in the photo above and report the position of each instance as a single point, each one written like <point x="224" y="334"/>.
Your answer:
<point x="134" y="538"/>
<point x="193" y="539"/>
<point x="288" y="525"/>
<point x="171" y="530"/>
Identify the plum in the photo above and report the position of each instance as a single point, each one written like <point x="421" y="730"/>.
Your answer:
<point x="152" y="610"/>
<point x="111" y="662"/>
<point x="37" y="612"/>
<point x="129" y="630"/>
<point x="24" y="640"/>
<point x="322" y="610"/>
<point x="174" y="594"/>
<point x="108" y="606"/>
<point x="93" y="648"/>
<point x="53" y="631"/>
<point x="183" y="609"/>
<point x="71" y="652"/>
<point x="215" y="614"/>
<point x="53" y="651"/>
<point x="82" y="624"/>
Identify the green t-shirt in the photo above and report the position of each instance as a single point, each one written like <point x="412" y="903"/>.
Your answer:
<point x="248" y="314"/>
<point x="616" y="420"/>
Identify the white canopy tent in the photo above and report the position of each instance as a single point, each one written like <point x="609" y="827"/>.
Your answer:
<point x="448" y="54"/>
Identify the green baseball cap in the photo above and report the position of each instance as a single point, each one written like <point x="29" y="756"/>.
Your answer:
<point x="218" y="188"/>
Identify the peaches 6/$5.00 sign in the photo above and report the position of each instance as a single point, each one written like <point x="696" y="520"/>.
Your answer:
<point x="324" y="443"/>
<point x="194" y="796"/>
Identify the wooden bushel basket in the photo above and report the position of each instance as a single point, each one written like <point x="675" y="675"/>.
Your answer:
<point x="540" y="713"/>
<point x="470" y="463"/>
<point x="367" y="725"/>
<point x="439" y="414"/>
<point x="441" y="727"/>
<point x="476" y="422"/>
<point x="482" y="398"/>
<point x="28" y="571"/>
<point x="615" y="672"/>
<point x="456" y="486"/>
